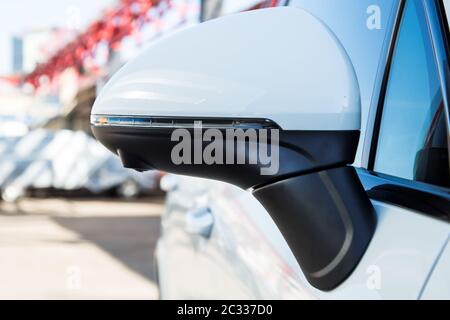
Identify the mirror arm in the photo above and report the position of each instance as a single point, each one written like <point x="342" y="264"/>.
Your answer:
<point x="327" y="220"/>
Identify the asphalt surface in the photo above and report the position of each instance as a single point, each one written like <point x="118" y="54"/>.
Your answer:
<point x="78" y="249"/>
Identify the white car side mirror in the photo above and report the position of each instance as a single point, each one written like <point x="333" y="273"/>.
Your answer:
<point x="206" y="101"/>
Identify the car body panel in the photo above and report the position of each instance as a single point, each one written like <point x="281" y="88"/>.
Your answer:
<point x="180" y="253"/>
<point x="246" y="255"/>
<point x="246" y="247"/>
<point x="438" y="285"/>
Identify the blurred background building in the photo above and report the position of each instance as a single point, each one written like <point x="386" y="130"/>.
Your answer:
<point x="32" y="47"/>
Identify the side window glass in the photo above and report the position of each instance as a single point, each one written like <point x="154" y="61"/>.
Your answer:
<point x="413" y="139"/>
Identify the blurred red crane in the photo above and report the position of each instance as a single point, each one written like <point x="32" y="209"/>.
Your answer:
<point x="124" y="20"/>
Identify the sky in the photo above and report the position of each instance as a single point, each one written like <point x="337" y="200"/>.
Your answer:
<point x="21" y="15"/>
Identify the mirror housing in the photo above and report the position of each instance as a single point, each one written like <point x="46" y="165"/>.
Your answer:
<point x="278" y="74"/>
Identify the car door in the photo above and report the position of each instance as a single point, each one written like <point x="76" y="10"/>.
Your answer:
<point x="407" y="180"/>
<point x="246" y="255"/>
<point x="408" y="147"/>
<point x="179" y="247"/>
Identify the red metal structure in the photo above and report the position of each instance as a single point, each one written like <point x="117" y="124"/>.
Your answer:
<point x="115" y="24"/>
<point x="124" y="20"/>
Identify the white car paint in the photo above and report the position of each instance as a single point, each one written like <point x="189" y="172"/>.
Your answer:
<point x="172" y="81"/>
<point x="246" y="246"/>
<point x="438" y="287"/>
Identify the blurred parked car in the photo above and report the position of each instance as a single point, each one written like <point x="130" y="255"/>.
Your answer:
<point x="65" y="161"/>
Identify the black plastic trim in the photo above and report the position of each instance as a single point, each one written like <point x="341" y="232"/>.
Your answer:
<point x="327" y="220"/>
<point x="420" y="197"/>
<point x="384" y="84"/>
<point x="300" y="152"/>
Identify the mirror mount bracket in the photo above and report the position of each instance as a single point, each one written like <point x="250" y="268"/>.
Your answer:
<point x="327" y="221"/>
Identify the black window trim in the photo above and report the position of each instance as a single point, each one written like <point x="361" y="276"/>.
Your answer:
<point x="383" y="89"/>
<point x="418" y="196"/>
<point x="374" y="181"/>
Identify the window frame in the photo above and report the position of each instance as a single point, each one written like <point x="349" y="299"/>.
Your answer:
<point x="440" y="37"/>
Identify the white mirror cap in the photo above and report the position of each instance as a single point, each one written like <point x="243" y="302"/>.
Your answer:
<point x="281" y="64"/>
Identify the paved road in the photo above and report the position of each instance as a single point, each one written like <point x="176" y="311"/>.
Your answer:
<point x="78" y="249"/>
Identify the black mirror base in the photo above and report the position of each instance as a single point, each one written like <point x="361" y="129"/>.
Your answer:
<point x="327" y="220"/>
